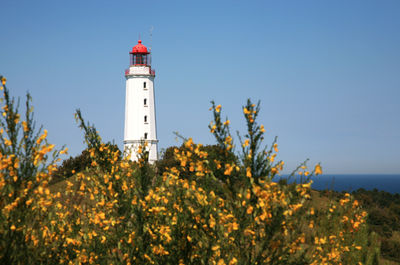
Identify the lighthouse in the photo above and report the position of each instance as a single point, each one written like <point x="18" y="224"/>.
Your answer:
<point x="140" y="113"/>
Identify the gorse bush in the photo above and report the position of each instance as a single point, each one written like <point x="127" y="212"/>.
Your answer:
<point x="27" y="163"/>
<point x="205" y="205"/>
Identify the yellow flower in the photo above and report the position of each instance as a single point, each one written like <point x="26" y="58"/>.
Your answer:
<point x="318" y="170"/>
<point x="215" y="248"/>
<point x="189" y="143"/>
<point x="233" y="261"/>
<point x="13" y="227"/>
<point x="248" y="172"/>
<point x="3" y="81"/>
<point x="276" y="147"/>
<point x="262" y="128"/>
<point x="228" y="169"/>
<point x="227" y="122"/>
<point x="28" y="202"/>
<point x="356" y="225"/>
<point x="124" y="186"/>
<point x="218" y="108"/>
<point x="272" y="158"/>
<point x="213" y="128"/>
<point x="65" y="151"/>
<point x="25" y="125"/>
<point x="212" y="221"/>
<point x="42" y="137"/>
<point x="248" y="194"/>
<point x="221" y="262"/>
<point x="248" y="232"/>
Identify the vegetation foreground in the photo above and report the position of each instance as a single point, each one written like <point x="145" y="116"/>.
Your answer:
<point x="202" y="205"/>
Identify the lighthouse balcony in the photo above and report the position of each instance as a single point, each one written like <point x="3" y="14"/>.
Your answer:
<point x="140" y="70"/>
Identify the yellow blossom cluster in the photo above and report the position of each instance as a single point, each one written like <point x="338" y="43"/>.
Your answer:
<point x="207" y="207"/>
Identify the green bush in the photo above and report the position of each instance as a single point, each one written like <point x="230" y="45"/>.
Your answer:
<point x="390" y="249"/>
<point x="210" y="206"/>
<point x="72" y="165"/>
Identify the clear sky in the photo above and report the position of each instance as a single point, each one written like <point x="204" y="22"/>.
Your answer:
<point x="327" y="72"/>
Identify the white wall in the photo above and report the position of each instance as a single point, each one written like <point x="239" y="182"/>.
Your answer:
<point x="135" y="110"/>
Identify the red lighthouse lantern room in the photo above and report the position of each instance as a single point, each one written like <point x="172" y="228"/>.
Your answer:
<point x="140" y="55"/>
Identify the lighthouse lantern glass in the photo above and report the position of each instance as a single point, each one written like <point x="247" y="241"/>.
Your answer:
<point x="139" y="59"/>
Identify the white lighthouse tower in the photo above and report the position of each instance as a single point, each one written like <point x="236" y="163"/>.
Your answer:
<point x="140" y="114"/>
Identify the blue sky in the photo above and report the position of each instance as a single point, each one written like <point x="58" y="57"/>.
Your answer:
<point x="326" y="72"/>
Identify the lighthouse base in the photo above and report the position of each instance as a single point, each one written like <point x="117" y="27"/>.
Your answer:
<point x="134" y="149"/>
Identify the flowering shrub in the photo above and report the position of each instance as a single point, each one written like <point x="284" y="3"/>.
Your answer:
<point x="205" y="209"/>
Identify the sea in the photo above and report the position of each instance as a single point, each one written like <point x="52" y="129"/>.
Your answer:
<point x="352" y="182"/>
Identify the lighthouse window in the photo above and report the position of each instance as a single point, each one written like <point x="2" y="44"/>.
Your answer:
<point x="145" y="118"/>
<point x="145" y="135"/>
<point x="145" y="101"/>
<point x="139" y="59"/>
<point x="144" y="84"/>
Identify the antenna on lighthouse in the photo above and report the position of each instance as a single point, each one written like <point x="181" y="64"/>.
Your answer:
<point x="151" y="37"/>
<point x="151" y="41"/>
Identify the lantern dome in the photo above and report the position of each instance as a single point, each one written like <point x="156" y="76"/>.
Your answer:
<point x="139" y="48"/>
